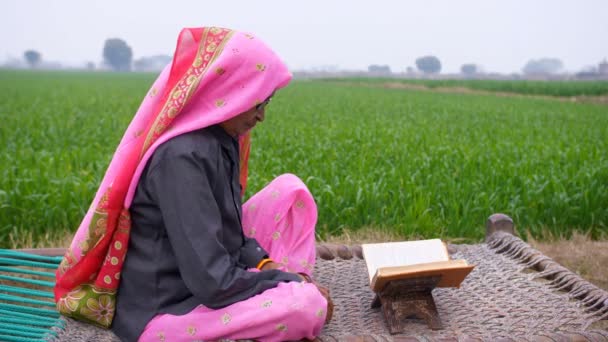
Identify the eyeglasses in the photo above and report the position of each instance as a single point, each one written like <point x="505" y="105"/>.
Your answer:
<point x="260" y="106"/>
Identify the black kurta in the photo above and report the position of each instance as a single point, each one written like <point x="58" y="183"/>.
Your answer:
<point x="187" y="245"/>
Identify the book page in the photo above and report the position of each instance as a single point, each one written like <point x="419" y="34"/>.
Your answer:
<point x="404" y="253"/>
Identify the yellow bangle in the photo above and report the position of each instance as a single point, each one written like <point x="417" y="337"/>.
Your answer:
<point x="262" y="263"/>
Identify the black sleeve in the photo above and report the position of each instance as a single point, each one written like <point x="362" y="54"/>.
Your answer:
<point x="252" y="253"/>
<point x="194" y="228"/>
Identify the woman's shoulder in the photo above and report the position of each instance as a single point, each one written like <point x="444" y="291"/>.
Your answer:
<point x="191" y="140"/>
<point x="202" y="143"/>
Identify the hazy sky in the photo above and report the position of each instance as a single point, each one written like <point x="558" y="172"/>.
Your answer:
<point x="499" y="35"/>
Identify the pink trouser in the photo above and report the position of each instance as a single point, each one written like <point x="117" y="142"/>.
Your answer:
<point x="282" y="218"/>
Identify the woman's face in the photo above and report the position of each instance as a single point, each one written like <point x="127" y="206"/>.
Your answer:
<point x="243" y="122"/>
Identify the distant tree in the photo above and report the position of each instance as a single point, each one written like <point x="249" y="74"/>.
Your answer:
<point x="90" y="66"/>
<point x="428" y="64"/>
<point x="379" y="69"/>
<point x="32" y="57"/>
<point x="469" y="69"/>
<point x="543" y="66"/>
<point x="117" y="54"/>
<point x="409" y="70"/>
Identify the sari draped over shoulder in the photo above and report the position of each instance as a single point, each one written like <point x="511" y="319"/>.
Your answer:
<point x="216" y="74"/>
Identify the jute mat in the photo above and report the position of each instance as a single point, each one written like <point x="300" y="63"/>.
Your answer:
<point x="515" y="293"/>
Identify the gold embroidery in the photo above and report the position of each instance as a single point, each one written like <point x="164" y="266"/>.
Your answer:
<point x="114" y="261"/>
<point x="251" y="232"/>
<point x="220" y="103"/>
<point x="266" y="304"/>
<point x="276" y="235"/>
<point x="274" y="194"/>
<point x="281" y="327"/>
<point x="159" y="128"/>
<point x="284" y="260"/>
<point x="211" y="47"/>
<point x="84" y="245"/>
<point x="118" y="245"/>
<point x="277" y="217"/>
<point x="190" y="79"/>
<point x="153" y="92"/>
<point x="161" y="336"/>
<point x="191" y="90"/>
<point x="176" y="94"/>
<point x="320" y="313"/>
<point x="226" y="318"/>
<point x="103" y="201"/>
<point x="172" y="112"/>
<point x="252" y="207"/>
<point x="117" y="276"/>
<point x="191" y="330"/>
<point x="101" y="223"/>
<point x="260" y="67"/>
<point x="198" y="61"/>
<point x="299" y="204"/>
<point x="220" y="71"/>
<point x="248" y="36"/>
<point x="107" y="279"/>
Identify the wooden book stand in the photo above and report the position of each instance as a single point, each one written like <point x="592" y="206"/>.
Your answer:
<point x="403" y="298"/>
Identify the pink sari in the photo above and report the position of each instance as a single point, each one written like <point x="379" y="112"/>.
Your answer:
<point x="216" y="74"/>
<point x="282" y="218"/>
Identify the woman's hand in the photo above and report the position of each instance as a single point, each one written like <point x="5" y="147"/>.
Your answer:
<point x="324" y="292"/>
<point x="330" y="304"/>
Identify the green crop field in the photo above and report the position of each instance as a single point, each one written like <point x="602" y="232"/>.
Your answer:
<point x="414" y="162"/>
<point x="526" y="87"/>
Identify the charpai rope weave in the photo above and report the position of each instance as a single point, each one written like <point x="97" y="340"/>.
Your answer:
<point x="27" y="309"/>
<point x="514" y="294"/>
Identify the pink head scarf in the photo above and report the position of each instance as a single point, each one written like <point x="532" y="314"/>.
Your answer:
<point x="215" y="75"/>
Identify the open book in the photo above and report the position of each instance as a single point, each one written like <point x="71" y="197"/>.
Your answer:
<point x="413" y="259"/>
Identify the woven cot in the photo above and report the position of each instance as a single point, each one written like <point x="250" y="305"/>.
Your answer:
<point x="515" y="293"/>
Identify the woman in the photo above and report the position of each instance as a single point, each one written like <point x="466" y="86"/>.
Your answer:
<point x="165" y="251"/>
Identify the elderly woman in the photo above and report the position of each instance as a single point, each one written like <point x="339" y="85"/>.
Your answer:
<point x="166" y="252"/>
